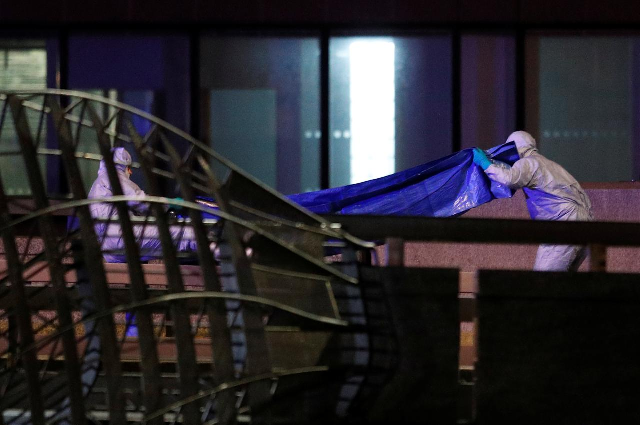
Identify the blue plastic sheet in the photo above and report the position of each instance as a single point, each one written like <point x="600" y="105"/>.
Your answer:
<point x="445" y="187"/>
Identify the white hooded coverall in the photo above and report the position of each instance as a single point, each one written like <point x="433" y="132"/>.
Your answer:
<point x="551" y="193"/>
<point x="146" y="236"/>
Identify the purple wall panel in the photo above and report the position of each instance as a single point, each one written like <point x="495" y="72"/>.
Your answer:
<point x="423" y="100"/>
<point x="285" y="57"/>
<point x="635" y="108"/>
<point x="487" y="90"/>
<point x="126" y="63"/>
<point x="158" y="66"/>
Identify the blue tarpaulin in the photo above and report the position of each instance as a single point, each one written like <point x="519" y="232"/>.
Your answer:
<point x="445" y="187"/>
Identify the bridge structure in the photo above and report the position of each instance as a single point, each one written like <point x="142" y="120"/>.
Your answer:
<point x="82" y="339"/>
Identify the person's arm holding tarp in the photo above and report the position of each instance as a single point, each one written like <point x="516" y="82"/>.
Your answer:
<point x="122" y="161"/>
<point x="517" y="176"/>
<point x="551" y="193"/>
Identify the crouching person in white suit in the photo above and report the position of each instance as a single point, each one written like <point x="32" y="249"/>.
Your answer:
<point x="147" y="235"/>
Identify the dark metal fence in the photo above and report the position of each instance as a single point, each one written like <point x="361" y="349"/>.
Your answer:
<point x="154" y="339"/>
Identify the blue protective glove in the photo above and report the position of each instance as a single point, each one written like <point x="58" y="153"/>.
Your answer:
<point x="176" y="207"/>
<point x="480" y="158"/>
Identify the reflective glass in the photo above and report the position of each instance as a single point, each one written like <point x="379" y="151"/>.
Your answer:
<point x="582" y="97"/>
<point x="148" y="72"/>
<point x="487" y="90"/>
<point x="24" y="65"/>
<point x="390" y="104"/>
<point x="260" y="103"/>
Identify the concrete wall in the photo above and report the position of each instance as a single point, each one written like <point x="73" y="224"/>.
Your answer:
<point x="615" y="202"/>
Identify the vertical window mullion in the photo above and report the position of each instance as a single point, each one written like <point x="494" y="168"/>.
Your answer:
<point x="324" y="109"/>
<point x="456" y="82"/>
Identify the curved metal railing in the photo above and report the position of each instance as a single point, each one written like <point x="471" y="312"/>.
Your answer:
<point x="193" y="334"/>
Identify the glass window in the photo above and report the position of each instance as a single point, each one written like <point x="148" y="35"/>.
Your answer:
<point x="390" y="104"/>
<point x="148" y="72"/>
<point x="260" y="103"/>
<point x="24" y="65"/>
<point x="488" y="90"/>
<point x="581" y="103"/>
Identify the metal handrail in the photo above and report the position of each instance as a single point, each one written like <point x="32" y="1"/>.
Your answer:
<point x="480" y="230"/>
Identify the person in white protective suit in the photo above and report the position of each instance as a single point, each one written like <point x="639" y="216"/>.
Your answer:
<point x="551" y="193"/>
<point x="147" y="236"/>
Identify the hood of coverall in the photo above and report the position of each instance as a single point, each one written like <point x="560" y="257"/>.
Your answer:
<point x="121" y="158"/>
<point x="525" y="143"/>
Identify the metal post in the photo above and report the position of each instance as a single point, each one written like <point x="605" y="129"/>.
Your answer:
<point x="223" y="367"/>
<point x="21" y="317"/>
<point x="152" y="390"/>
<point x="47" y="230"/>
<point x="395" y="252"/>
<point x="91" y="256"/>
<point x="598" y="258"/>
<point x="187" y="365"/>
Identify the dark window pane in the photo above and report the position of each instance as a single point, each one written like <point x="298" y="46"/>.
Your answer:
<point x="261" y="106"/>
<point x="579" y="103"/>
<point x="148" y="72"/>
<point x="488" y="105"/>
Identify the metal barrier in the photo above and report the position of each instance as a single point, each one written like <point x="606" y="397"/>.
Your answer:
<point x="77" y="346"/>
<point x="396" y="230"/>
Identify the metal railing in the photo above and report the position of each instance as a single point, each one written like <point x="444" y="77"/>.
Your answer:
<point x="71" y="358"/>
<point x="396" y="230"/>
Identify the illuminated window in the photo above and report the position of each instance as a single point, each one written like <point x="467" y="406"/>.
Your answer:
<point x="390" y="104"/>
<point x="23" y="69"/>
<point x="23" y="66"/>
<point x="372" y="99"/>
